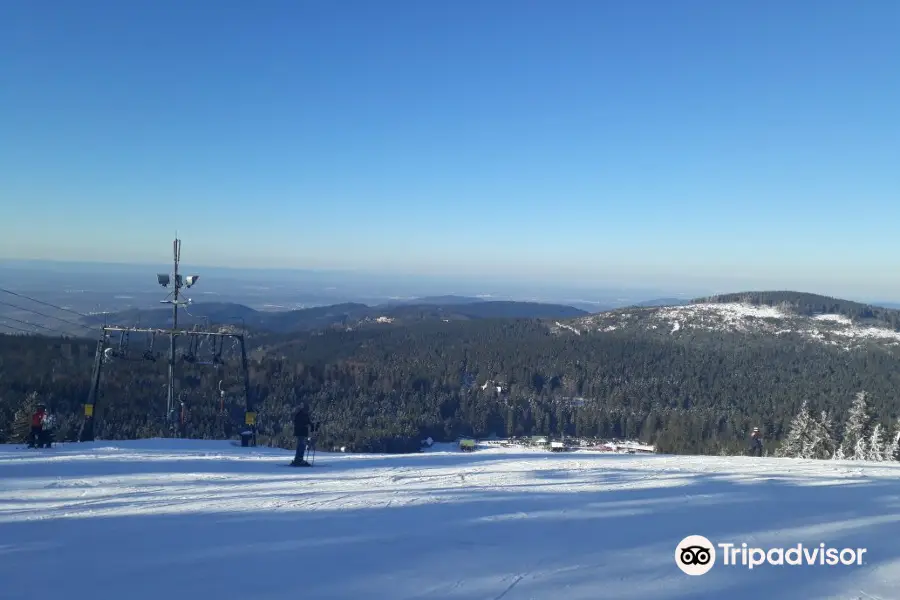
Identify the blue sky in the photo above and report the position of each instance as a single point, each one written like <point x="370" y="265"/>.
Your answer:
<point x="630" y="142"/>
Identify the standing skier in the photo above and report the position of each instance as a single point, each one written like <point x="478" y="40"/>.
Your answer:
<point x="47" y="428"/>
<point x="756" y="446"/>
<point x="37" y="427"/>
<point x="301" y="432"/>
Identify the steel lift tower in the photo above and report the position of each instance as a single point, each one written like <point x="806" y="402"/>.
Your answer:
<point x="103" y="353"/>
<point x="178" y="282"/>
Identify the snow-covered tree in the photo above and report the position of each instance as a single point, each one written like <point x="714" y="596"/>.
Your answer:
<point x="876" y="444"/>
<point x="827" y="438"/>
<point x="800" y="438"/>
<point x="861" y="450"/>
<point x="892" y="448"/>
<point x="820" y="444"/>
<point x="809" y="437"/>
<point x="22" y="420"/>
<point x="854" y="444"/>
<point x="839" y="454"/>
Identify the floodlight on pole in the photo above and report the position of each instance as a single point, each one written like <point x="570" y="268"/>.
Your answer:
<point x="178" y="282"/>
<point x="163" y="279"/>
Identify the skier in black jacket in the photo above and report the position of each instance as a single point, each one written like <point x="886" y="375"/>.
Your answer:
<point x="756" y="447"/>
<point x="301" y="432"/>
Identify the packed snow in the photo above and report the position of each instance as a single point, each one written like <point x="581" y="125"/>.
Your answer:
<point x="203" y="519"/>
<point x="837" y="330"/>
<point x="835" y="319"/>
<point x="569" y="327"/>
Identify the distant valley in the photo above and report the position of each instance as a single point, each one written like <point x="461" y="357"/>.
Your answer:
<point x="128" y="292"/>
<point x="444" y="308"/>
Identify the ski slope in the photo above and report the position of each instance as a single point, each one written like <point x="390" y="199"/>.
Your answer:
<point x="151" y="519"/>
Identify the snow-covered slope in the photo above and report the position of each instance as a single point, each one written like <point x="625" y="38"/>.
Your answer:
<point x="836" y="330"/>
<point x="188" y="519"/>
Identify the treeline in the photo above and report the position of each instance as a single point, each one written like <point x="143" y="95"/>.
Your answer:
<point x="862" y="438"/>
<point x="387" y="388"/>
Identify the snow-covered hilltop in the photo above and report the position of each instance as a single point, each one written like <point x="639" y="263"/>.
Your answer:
<point x="734" y="317"/>
<point x="183" y="519"/>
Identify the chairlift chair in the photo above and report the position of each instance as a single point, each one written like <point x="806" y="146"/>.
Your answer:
<point x="190" y="356"/>
<point x="148" y="353"/>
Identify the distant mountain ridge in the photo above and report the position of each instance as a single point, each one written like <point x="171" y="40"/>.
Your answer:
<point x="340" y="315"/>
<point x="810" y="305"/>
<point x="794" y="317"/>
<point x="448" y="300"/>
<point x="663" y="302"/>
<point x="788" y="304"/>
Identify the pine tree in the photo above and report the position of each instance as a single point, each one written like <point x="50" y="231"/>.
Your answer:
<point x="839" y="454"/>
<point x="854" y="443"/>
<point x="861" y="451"/>
<point x="876" y="444"/>
<point x="797" y="442"/>
<point x="819" y="443"/>
<point x="22" y="422"/>
<point x="828" y="443"/>
<point x="892" y="449"/>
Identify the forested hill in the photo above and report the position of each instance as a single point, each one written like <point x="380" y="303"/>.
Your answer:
<point x="804" y="304"/>
<point x="340" y="315"/>
<point x="386" y="388"/>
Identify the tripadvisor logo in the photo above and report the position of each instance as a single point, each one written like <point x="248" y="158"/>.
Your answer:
<point x="696" y="555"/>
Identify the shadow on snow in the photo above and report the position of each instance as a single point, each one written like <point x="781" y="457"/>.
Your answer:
<point x="434" y="541"/>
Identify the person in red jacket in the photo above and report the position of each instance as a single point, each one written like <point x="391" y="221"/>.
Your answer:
<point x="37" y="426"/>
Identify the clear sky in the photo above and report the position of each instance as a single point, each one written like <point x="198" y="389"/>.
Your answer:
<point x="636" y="141"/>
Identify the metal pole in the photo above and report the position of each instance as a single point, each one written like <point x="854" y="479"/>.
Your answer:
<point x="170" y="403"/>
<point x="87" y="426"/>
<point x="249" y="413"/>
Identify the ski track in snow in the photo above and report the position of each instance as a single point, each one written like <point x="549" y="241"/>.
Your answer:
<point x="186" y="519"/>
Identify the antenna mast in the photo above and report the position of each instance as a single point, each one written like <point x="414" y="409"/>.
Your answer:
<point x="170" y="401"/>
<point x="178" y="281"/>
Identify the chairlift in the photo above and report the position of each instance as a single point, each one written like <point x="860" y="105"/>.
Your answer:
<point x="119" y="350"/>
<point x="235" y="348"/>
<point x="216" y="358"/>
<point x="148" y="353"/>
<point x="191" y="356"/>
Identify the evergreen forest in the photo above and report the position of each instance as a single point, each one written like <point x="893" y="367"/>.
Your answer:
<point x="386" y="388"/>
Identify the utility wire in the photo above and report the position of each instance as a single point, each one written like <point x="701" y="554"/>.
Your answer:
<point x="69" y="310"/>
<point x="14" y="328"/>
<point x="40" y="314"/>
<point x="36" y="325"/>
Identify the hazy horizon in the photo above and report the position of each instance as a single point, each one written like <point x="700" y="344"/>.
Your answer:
<point x="216" y="280"/>
<point x="716" y="146"/>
